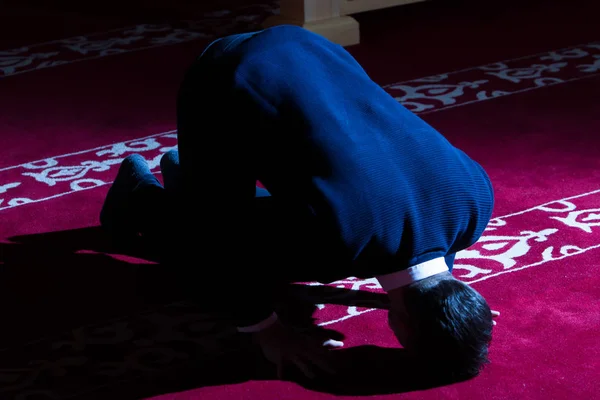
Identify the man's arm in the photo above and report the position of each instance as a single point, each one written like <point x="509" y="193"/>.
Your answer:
<point x="252" y="305"/>
<point x="253" y="314"/>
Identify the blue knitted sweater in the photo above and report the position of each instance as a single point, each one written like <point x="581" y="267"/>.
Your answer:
<point x="386" y="189"/>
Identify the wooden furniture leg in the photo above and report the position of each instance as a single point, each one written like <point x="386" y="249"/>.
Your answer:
<point x="324" y="17"/>
<point x="330" y="18"/>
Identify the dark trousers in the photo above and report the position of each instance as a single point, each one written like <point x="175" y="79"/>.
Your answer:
<point x="222" y="154"/>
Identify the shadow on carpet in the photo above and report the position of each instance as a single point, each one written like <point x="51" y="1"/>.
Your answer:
<point x="175" y="346"/>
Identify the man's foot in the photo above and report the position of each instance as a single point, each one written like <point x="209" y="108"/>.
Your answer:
<point x="117" y="214"/>
<point x="169" y="167"/>
<point x="261" y="192"/>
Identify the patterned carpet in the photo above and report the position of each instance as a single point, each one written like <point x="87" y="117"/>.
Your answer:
<point x="81" y="321"/>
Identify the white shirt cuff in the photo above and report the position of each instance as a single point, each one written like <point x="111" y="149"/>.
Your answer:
<point x="264" y="324"/>
<point x="416" y="273"/>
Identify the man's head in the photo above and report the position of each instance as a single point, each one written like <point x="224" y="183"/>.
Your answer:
<point x="445" y="323"/>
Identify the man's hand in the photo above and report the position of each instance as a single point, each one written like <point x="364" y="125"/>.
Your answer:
<point x="283" y="346"/>
<point x="494" y="315"/>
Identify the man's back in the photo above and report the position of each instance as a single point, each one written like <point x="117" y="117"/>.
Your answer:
<point x="380" y="181"/>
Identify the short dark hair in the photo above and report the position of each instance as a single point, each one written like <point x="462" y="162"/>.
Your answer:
<point x="450" y="326"/>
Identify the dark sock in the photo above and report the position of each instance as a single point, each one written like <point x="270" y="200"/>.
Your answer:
<point x="118" y="212"/>
<point x="261" y="192"/>
<point x="169" y="167"/>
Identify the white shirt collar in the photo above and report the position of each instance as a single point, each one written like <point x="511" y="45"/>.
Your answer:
<point x="413" y="274"/>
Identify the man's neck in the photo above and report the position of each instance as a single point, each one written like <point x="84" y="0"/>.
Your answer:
<point x="397" y="295"/>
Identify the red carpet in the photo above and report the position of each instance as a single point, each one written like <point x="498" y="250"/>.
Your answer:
<point x="517" y="89"/>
